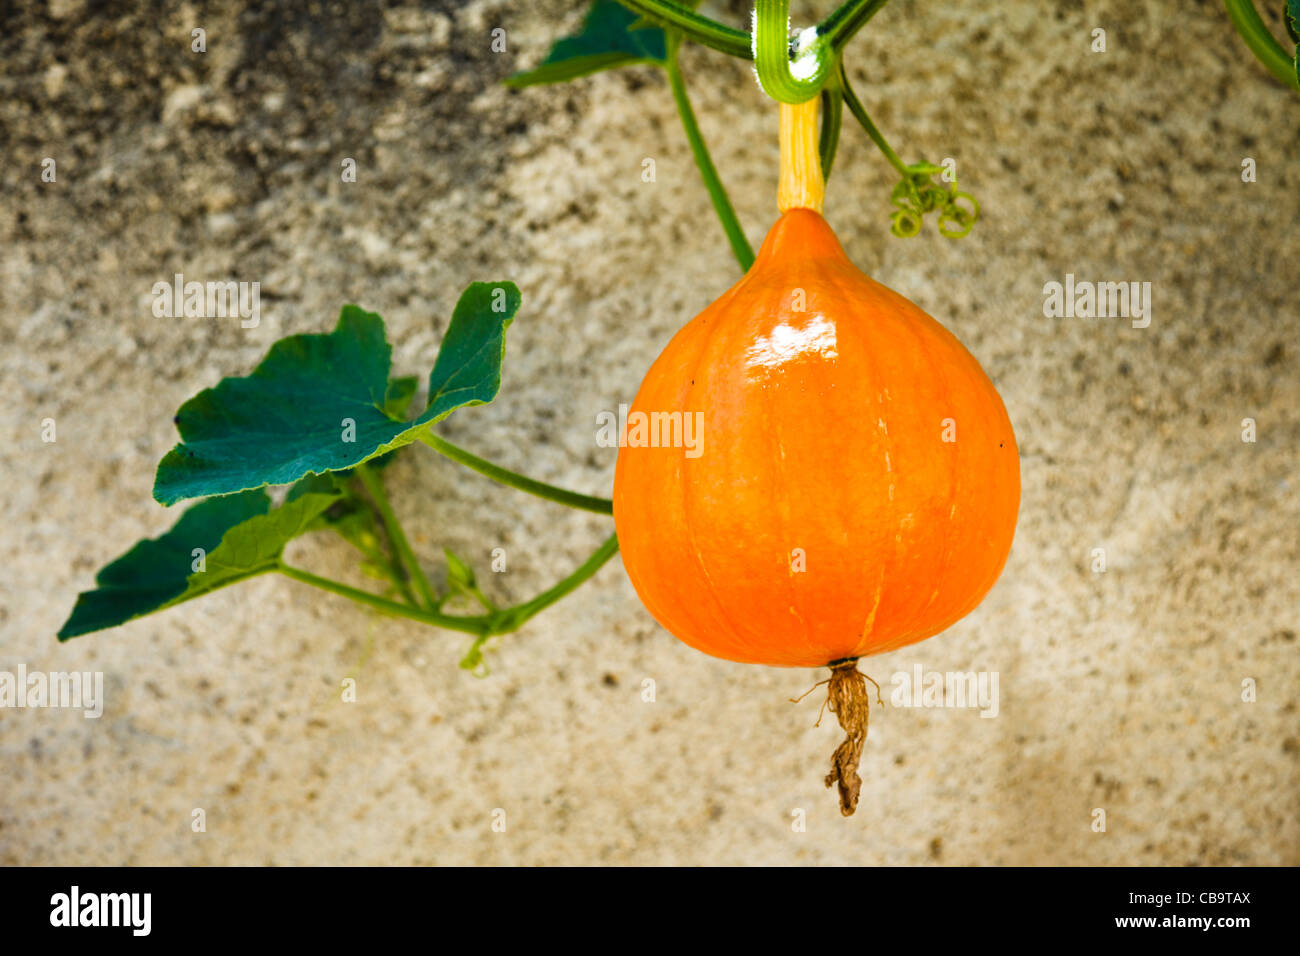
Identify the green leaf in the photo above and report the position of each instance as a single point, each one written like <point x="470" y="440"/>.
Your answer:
<point x="459" y="574"/>
<point x="461" y="580"/>
<point x="397" y="403"/>
<point x="239" y="537"/>
<point x="468" y="368"/>
<point x="348" y="514"/>
<point x="323" y="403"/>
<point x="397" y="400"/>
<point x="611" y="36"/>
<point x="360" y="528"/>
<point x="331" y="484"/>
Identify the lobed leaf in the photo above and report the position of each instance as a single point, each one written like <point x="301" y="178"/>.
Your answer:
<point x="239" y="536"/>
<point x="397" y="400"/>
<point x="611" y="36"/>
<point x="324" y="403"/>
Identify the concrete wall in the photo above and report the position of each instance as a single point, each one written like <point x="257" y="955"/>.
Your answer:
<point x="1120" y="691"/>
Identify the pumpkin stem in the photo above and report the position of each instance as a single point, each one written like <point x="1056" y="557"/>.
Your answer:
<point x="848" y="701"/>
<point x="801" y="185"/>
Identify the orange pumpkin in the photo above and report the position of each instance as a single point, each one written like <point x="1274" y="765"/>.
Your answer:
<point x="814" y="470"/>
<point x="856" y="482"/>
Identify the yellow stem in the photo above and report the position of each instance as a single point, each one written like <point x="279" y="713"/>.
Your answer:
<point x="801" y="186"/>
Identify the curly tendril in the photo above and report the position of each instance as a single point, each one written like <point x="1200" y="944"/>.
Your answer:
<point x="916" y="194"/>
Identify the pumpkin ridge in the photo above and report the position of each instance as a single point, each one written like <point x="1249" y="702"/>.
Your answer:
<point x="661" y="611"/>
<point x="779" y="493"/>
<point x="939" y="376"/>
<point x="742" y="643"/>
<point x="992" y="415"/>
<point x="861" y="338"/>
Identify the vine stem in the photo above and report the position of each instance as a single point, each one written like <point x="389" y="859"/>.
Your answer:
<point x="699" y="28"/>
<point x="401" y="583"/>
<point x="1246" y="20"/>
<point x="801" y="185"/>
<point x="839" y="27"/>
<point x="469" y="624"/>
<point x="848" y="19"/>
<point x="832" y="117"/>
<point x="499" y="621"/>
<point x="860" y="114"/>
<point x="375" y="486"/>
<point x="744" y="252"/>
<point x="781" y="79"/>
<point x="514" y="480"/>
<point x="517" y="615"/>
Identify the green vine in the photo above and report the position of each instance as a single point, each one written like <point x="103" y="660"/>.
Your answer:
<point x="740" y="246"/>
<point x="1283" y="64"/>
<point x="832" y="119"/>
<point x="789" y="73"/>
<point x="695" y="27"/>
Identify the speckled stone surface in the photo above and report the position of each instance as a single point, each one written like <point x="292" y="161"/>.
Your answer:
<point x="1119" y="691"/>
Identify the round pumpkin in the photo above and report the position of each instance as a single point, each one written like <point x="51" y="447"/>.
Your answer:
<point x="852" y="482"/>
